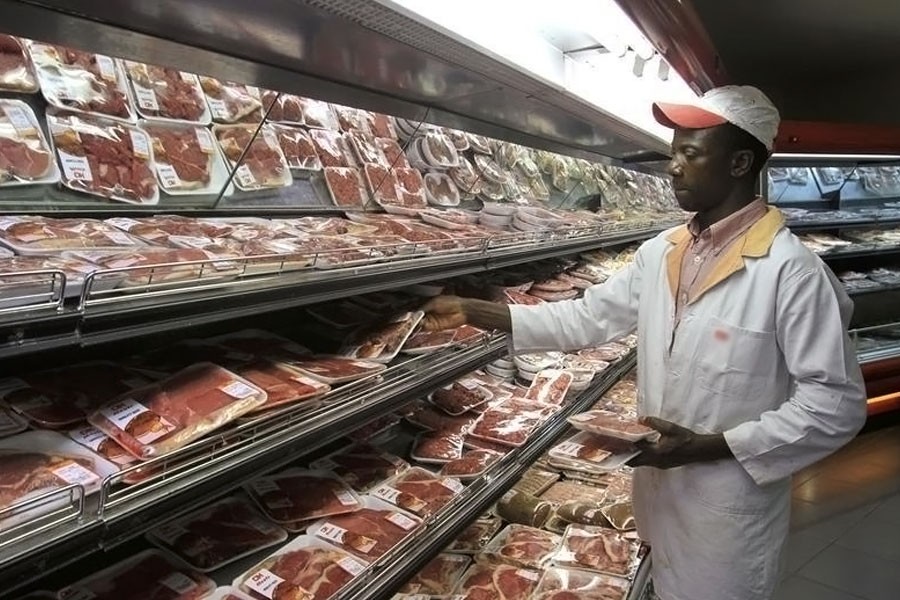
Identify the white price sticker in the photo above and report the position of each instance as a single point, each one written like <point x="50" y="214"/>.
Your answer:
<point x="238" y="390"/>
<point x="454" y="485"/>
<point x="401" y="521"/>
<point x="253" y="92"/>
<point x="204" y="138"/>
<point x="219" y="109"/>
<point x="569" y="449"/>
<point x="168" y="176"/>
<point x="107" y="67"/>
<point x="146" y="97"/>
<point x="20" y="121"/>
<point x="124" y="412"/>
<point x="264" y="486"/>
<point x="529" y="575"/>
<point x="54" y="84"/>
<point x="169" y="533"/>
<point x="332" y="532"/>
<point x="351" y="565"/>
<point x="139" y="143"/>
<point x="72" y="472"/>
<point x="245" y="176"/>
<point x="89" y="436"/>
<point x="189" y="77"/>
<point x="75" y="168"/>
<point x="264" y="582"/>
<point x="345" y="498"/>
<point x="387" y="493"/>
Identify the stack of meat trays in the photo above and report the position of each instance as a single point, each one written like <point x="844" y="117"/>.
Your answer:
<point x="591" y="453"/>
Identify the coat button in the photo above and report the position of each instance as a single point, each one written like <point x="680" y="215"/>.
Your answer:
<point x="697" y="260"/>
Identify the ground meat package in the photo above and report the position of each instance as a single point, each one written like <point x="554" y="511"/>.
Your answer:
<point x="150" y="575"/>
<point x="25" y="156"/>
<point x="460" y="396"/>
<point x="611" y="424"/>
<point x="419" y="491"/>
<point x="165" y="416"/>
<point x="549" y="386"/>
<point x="383" y="342"/>
<point x="263" y="165"/>
<point x="298" y="149"/>
<point x="187" y="160"/>
<point x="496" y="582"/>
<point x="511" y="421"/>
<point x="471" y="465"/>
<point x="307" y="568"/>
<point x="598" y="549"/>
<point x="369" y="532"/>
<point x="301" y="495"/>
<point x="16" y="69"/>
<point x="437" y="447"/>
<point x="521" y="546"/>
<point x="217" y="535"/>
<point x="167" y="94"/>
<point x="439" y="577"/>
<point x="569" y="584"/>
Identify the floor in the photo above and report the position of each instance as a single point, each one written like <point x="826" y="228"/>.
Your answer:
<point x="845" y="532"/>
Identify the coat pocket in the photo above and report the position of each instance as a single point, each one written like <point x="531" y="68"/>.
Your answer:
<point x="734" y="361"/>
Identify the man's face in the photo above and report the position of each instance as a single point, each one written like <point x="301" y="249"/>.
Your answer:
<point x="701" y="168"/>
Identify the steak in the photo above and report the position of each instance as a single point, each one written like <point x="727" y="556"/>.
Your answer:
<point x="15" y="73"/>
<point x="438" y="447"/>
<point x="421" y="492"/>
<point x="430" y="339"/>
<point x="438" y="577"/>
<point x="20" y="159"/>
<point x="166" y="93"/>
<point x="231" y="102"/>
<point x="565" y="584"/>
<point x="22" y="473"/>
<point x="597" y="548"/>
<point x="368" y="532"/>
<point x="263" y="159"/>
<point x="459" y="397"/>
<point x="511" y="422"/>
<point x="498" y="582"/>
<point x="549" y="387"/>
<point x="298" y="149"/>
<point x="180" y="148"/>
<point x="285" y="108"/>
<point x="306" y="574"/>
<point x="608" y="423"/>
<point x="524" y="546"/>
<point x="362" y="466"/>
<point x="281" y="384"/>
<point x="301" y="496"/>
<point x="98" y="86"/>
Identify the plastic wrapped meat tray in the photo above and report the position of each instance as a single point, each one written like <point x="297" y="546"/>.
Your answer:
<point x="150" y="575"/>
<point x="298" y="149"/>
<point x="186" y="159"/>
<point x="332" y="148"/>
<point x="419" y="491"/>
<point x="283" y="385"/>
<point x="437" y="447"/>
<point x="164" y="417"/>
<point x="362" y="466"/>
<point x="588" y="451"/>
<point x="476" y="536"/>
<point x="365" y="149"/>
<point x="439" y="576"/>
<point x="510" y="422"/>
<point x="163" y="93"/>
<point x="299" y="495"/>
<point x="263" y="166"/>
<point x="307" y="569"/>
<point x="472" y="464"/>
<point x="334" y="369"/>
<point x="598" y="549"/>
<point x="158" y="229"/>
<point x="369" y="532"/>
<point x="217" y="535"/>
<point x="345" y="184"/>
<point x="33" y="235"/>
<point x="521" y="546"/>
<point x="180" y="264"/>
<point x="16" y="70"/>
<point x="382" y="343"/>
<point x="17" y="289"/>
<point x="81" y="81"/>
<point x="231" y="102"/>
<point x="106" y="159"/>
<point x="566" y="584"/>
<point x="460" y="396"/>
<point x="611" y="424"/>
<point x="497" y="582"/>
<point x="283" y="108"/>
<point x="549" y="387"/>
<point x="92" y="438"/>
<point x="25" y="156"/>
<point x="318" y="114"/>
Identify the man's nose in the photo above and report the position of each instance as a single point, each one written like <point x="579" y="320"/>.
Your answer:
<point x="673" y="168"/>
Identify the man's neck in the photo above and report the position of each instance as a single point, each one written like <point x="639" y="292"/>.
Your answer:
<point x="736" y="200"/>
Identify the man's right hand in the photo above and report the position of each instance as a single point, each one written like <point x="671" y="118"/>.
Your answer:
<point x="444" y="312"/>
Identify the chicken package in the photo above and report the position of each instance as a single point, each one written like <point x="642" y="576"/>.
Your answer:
<point x="369" y="532"/>
<point x="217" y="535"/>
<point x="161" y="265"/>
<point x="336" y="369"/>
<point x="598" y="549"/>
<point x="439" y="577"/>
<point x="261" y="166"/>
<point x="471" y="465"/>
<point x="298" y="149"/>
<point x="168" y="415"/>
<point x="476" y="536"/>
<point x="362" y="466"/>
<point x="571" y="584"/>
<point x="150" y="575"/>
<point x="460" y="396"/>
<point x="611" y="424"/>
<point x="496" y="582"/>
<point x="80" y="81"/>
<point x="104" y="158"/>
<point x="382" y="342"/>
<point x="521" y="546"/>
<point x="306" y="569"/>
<point x="301" y="495"/>
<point x="231" y="102"/>
<point x="186" y="159"/>
<point x="437" y="447"/>
<point x="511" y="421"/>
<point x="163" y="93"/>
<point x="419" y="491"/>
<point x="25" y="155"/>
<point x="97" y="441"/>
<point x="16" y="69"/>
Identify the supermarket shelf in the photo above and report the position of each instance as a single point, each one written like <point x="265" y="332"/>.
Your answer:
<point x="146" y="307"/>
<point x="883" y="288"/>
<point x="859" y="251"/>
<point x="885" y="352"/>
<point x="395" y="568"/>
<point x="208" y="468"/>
<point x="860" y="223"/>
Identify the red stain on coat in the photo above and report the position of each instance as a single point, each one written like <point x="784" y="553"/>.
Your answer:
<point x="721" y="335"/>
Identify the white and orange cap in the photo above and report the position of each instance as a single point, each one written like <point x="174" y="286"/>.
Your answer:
<point x="741" y="105"/>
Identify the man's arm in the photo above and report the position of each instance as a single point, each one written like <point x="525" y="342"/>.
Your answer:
<point x="447" y="312"/>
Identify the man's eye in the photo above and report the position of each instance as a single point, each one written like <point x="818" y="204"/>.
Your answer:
<point x="689" y="153"/>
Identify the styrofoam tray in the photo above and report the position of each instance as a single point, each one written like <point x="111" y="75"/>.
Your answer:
<point x="26" y="124"/>
<point x="168" y="178"/>
<point x="581" y="421"/>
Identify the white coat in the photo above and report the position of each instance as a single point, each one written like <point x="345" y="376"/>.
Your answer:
<point x="762" y="355"/>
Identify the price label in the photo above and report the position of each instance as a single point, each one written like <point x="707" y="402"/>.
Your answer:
<point x="264" y="582"/>
<point x="529" y="575"/>
<point x="239" y="390"/>
<point x="72" y="472"/>
<point x="75" y="168"/>
<point x="89" y="436"/>
<point x="454" y="485"/>
<point x="169" y="533"/>
<point x="387" y="493"/>
<point x="139" y="143"/>
<point x="204" y="138"/>
<point x="168" y="176"/>
<point x="219" y="109"/>
<point x="346" y="498"/>
<point x="401" y="521"/>
<point x="245" y="176"/>
<point x="332" y="532"/>
<point x="146" y="97"/>
<point x="107" y="67"/>
<point x="569" y="449"/>
<point x="265" y="486"/>
<point x="253" y="92"/>
<point x="124" y="412"/>
<point x="468" y="384"/>
<point x="351" y="565"/>
<point x="20" y="121"/>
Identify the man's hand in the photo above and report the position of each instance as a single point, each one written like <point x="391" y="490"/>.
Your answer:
<point x="443" y="312"/>
<point x="678" y="446"/>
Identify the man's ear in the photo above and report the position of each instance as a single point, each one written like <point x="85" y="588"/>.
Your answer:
<point x="741" y="163"/>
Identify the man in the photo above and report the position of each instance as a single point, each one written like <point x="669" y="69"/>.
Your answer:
<point x="744" y="363"/>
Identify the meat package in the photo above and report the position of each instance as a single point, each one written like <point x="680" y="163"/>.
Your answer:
<point x="476" y="536"/>
<point x="16" y="70"/>
<point x="81" y="81"/>
<point x="496" y="582"/>
<point x="369" y="532"/>
<point x="283" y="384"/>
<point x="305" y="569"/>
<point x="609" y="352"/>
<point x="439" y="577"/>
<point x="18" y="288"/>
<point x="598" y="549"/>
<point x="382" y="343"/>
<point x="437" y="447"/>
<point x="569" y="584"/>
<point x="256" y="154"/>
<point x="346" y="187"/>
<point x="365" y="150"/>
<point x="332" y="148"/>
<point x="426" y="416"/>
<point x="94" y="439"/>
<point x="472" y="464"/>
<point x="217" y="535"/>
<point x="460" y="396"/>
<point x="382" y="184"/>
<point x="186" y="159"/>
<point x="165" y="416"/>
<point x="521" y="546"/>
<point x="25" y="155"/>
<point x="611" y="424"/>
<point x="592" y="452"/>
<point x="298" y="149"/>
<point x="163" y="93"/>
<point x="421" y="492"/>
<point x="104" y="158"/>
<point x="335" y="369"/>
<point x="300" y="495"/>
<point x="231" y="102"/>
<point x="362" y="466"/>
<point x="318" y="114"/>
<point x="150" y="575"/>
<point x="283" y="108"/>
<point x="424" y="342"/>
<point x="34" y="235"/>
<point x="511" y="421"/>
<point x="549" y="386"/>
<point x="152" y="266"/>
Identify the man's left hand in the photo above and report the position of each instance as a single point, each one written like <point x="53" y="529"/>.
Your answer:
<point x="678" y="446"/>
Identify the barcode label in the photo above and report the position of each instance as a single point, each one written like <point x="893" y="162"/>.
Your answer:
<point x="529" y="575"/>
<point x="351" y="565"/>
<point x="55" y="85"/>
<point x="219" y="109"/>
<point x="245" y="176"/>
<point x="401" y="521"/>
<point x="569" y="449"/>
<point x="107" y="67"/>
<point x="146" y="97"/>
<point x="18" y="118"/>
<point x="264" y="582"/>
<point x="345" y="497"/>
<point x="454" y="485"/>
<point x="205" y="140"/>
<point x="168" y="176"/>
<point x="238" y="390"/>
<point x="139" y="143"/>
<point x="72" y="472"/>
<point x="75" y="168"/>
<point x="386" y="492"/>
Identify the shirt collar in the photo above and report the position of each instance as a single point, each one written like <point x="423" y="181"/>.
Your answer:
<point x="722" y="233"/>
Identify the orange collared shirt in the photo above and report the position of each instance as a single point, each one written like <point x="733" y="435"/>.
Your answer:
<point x="706" y="247"/>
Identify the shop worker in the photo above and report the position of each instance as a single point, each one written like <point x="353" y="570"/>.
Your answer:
<point x="744" y="363"/>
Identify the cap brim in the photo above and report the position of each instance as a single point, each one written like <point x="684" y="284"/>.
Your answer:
<point x="685" y="116"/>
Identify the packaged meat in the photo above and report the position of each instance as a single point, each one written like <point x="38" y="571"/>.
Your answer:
<point x="231" y="102"/>
<point x="411" y="187"/>
<point x="282" y="384"/>
<point x="34" y="235"/>
<point x="517" y="506"/>
<point x="104" y="158"/>
<point x="369" y="532"/>
<point x="352" y="119"/>
<point x="393" y="153"/>
<point x="460" y="396"/>
<point x="365" y="149"/>
<point x="301" y="495"/>
<point x="471" y="465"/>
<point x="490" y="170"/>
<point x="426" y="416"/>
<point x="37" y="462"/>
<point x="425" y="342"/>
<point x="94" y="439"/>
<point x="419" y="491"/>
<point x="307" y="568"/>
<point x="566" y="584"/>
<point x="592" y="452"/>
<point x="298" y="149"/>
<point x="283" y="108"/>
<point x="256" y="155"/>
<point x="598" y="549"/>
<point x="611" y="424"/>
<point x="150" y="575"/>
<point x="80" y="81"/>
<point x="575" y="282"/>
<point x="318" y="114"/>
<point x="362" y="466"/>
<point x="554" y="296"/>
<point x="438" y="150"/>
<point x="11" y="423"/>
<point x="511" y="422"/>
<point x="16" y="69"/>
<point x="345" y="184"/>
<point x="332" y="226"/>
<point x="439" y="577"/>
<point x="537" y="362"/>
<point x="163" y="93"/>
<point x="227" y="593"/>
<point x="440" y="190"/>
<point x="380" y="428"/>
<point x="17" y="288"/>
<point x="160" y="265"/>
<point x="165" y="416"/>
<point x="474" y="443"/>
<point x="217" y="535"/>
<point x="512" y="297"/>
<point x="437" y="447"/>
<point x="549" y="386"/>
<point x="496" y="582"/>
<point x="334" y="370"/>
<point x="609" y="352"/>
<point x="332" y="148"/>
<point x="476" y="536"/>
<point x="382" y="342"/>
<point x="521" y="546"/>
<point x="381" y="126"/>
<point x="25" y="155"/>
<point x="562" y="492"/>
<point x="186" y="159"/>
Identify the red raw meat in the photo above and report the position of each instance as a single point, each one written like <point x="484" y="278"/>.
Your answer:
<point x="429" y="418"/>
<point x="429" y="339"/>
<point x="552" y="285"/>
<point x="458" y="398"/>
<point x="438" y="447"/>
<point x="472" y="462"/>
<point x="337" y="368"/>
<point x="549" y="387"/>
<point x="24" y="472"/>
<point x="511" y="422"/>
<point x="368" y="532"/>
<point x="281" y="384"/>
<point x="297" y="148"/>
<point x="362" y="466"/>
<point x="20" y="160"/>
<point x="181" y="149"/>
<point x="105" y="96"/>
<point x="231" y="102"/>
<point x="177" y="96"/>
<point x="263" y="159"/>
<point x="346" y="186"/>
<point x="597" y="548"/>
<point x="331" y="148"/>
<point x="300" y="496"/>
<point x="284" y="107"/>
<point x="498" y="582"/>
<point x="609" y="423"/>
<point x="308" y="574"/>
<point x="438" y="577"/>
<point x="424" y="493"/>
<point x="15" y="74"/>
<point x="524" y="546"/>
<point x="570" y="584"/>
